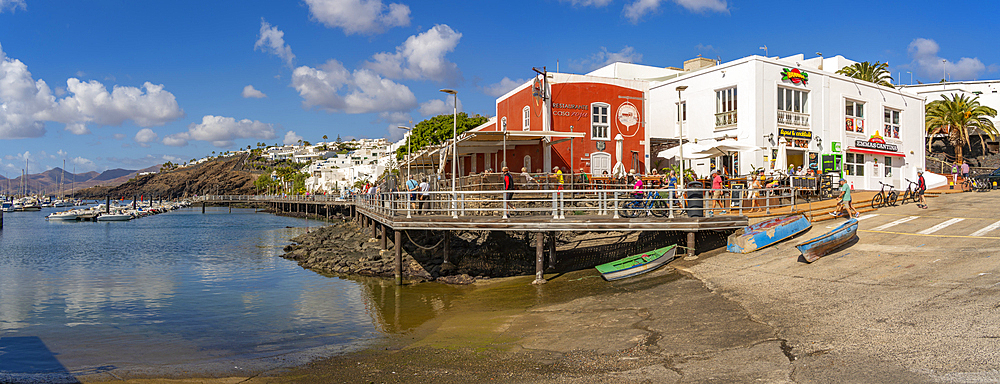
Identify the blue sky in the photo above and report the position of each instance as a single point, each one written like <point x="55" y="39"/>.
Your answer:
<point x="129" y="84"/>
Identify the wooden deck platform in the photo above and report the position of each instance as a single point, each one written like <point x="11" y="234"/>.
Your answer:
<point x="576" y="223"/>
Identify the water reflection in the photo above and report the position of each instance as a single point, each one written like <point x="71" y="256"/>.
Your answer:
<point x="400" y="309"/>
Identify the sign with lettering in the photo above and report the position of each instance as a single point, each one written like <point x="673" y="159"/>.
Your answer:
<point x="794" y="75"/>
<point x="876" y="145"/>
<point x="835" y="146"/>
<point x="795" y="133"/>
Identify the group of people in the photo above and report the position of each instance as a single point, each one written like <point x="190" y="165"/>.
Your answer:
<point x="419" y="194"/>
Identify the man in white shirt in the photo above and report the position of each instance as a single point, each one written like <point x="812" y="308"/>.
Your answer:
<point x="425" y="195"/>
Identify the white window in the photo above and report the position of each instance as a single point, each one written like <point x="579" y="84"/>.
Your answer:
<point x="600" y="126"/>
<point x="891" y="124"/>
<point x="793" y="107"/>
<point x="682" y="111"/>
<point x="526" y="117"/>
<point x="725" y="107"/>
<point x="854" y="117"/>
<point x="854" y="164"/>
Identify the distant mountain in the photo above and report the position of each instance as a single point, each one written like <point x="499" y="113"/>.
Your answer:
<point x="112" y="174"/>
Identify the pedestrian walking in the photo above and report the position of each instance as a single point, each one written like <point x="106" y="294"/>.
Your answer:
<point x="425" y="196"/>
<point x="717" y="192"/>
<point x="965" y="170"/>
<point x="845" y="201"/>
<point x="412" y="186"/>
<point x="559" y="177"/>
<point x="921" y="188"/>
<point x="508" y="185"/>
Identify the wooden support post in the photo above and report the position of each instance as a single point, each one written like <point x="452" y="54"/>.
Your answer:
<point x="202" y="207"/>
<point x="107" y="205"/>
<point x="230" y="207"/>
<point x="399" y="257"/>
<point x="552" y="250"/>
<point x="446" y="264"/>
<point x="690" y="247"/>
<point x="385" y="235"/>
<point x="539" y="258"/>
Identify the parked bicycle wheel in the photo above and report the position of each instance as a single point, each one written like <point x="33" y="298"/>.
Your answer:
<point x="878" y="201"/>
<point x="891" y="200"/>
<point x="907" y="196"/>
<point x="631" y="208"/>
<point x="659" y="208"/>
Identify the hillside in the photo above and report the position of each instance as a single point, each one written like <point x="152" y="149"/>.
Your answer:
<point x="212" y="177"/>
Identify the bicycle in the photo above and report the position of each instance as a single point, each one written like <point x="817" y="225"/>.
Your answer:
<point x="883" y="199"/>
<point x="644" y="202"/>
<point x="981" y="184"/>
<point x="911" y="192"/>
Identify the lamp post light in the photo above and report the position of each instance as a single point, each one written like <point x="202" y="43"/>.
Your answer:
<point x="454" y="150"/>
<point x="408" y="133"/>
<point x="680" y="120"/>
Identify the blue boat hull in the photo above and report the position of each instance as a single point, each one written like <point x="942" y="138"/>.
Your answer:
<point x="766" y="233"/>
<point x="818" y="247"/>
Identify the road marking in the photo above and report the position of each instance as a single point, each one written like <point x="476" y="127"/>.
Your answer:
<point x="865" y="216"/>
<point x="894" y="223"/>
<point x="986" y="229"/>
<point x="920" y="234"/>
<point x="939" y="227"/>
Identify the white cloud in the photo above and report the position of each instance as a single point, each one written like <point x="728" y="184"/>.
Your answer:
<point x="365" y="90"/>
<point x="291" y="138"/>
<point x="119" y="136"/>
<point x="26" y="104"/>
<point x="439" y="107"/>
<point x="359" y="16"/>
<point x="12" y="5"/>
<point x="638" y="9"/>
<point x="602" y="58"/>
<point x="92" y="103"/>
<point x="928" y="64"/>
<point x="145" y="136"/>
<point x="421" y="57"/>
<point x="221" y="131"/>
<point x="84" y="163"/>
<point x="505" y="85"/>
<point x="588" y="3"/>
<point x="22" y="100"/>
<point x="249" y="92"/>
<point x="271" y="40"/>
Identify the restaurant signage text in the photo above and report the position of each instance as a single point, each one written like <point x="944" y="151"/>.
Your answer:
<point x="795" y="133"/>
<point x="876" y="145"/>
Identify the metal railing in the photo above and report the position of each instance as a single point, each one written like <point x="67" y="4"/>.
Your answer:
<point x="614" y="203"/>
<point x="725" y="119"/>
<point x="793" y="119"/>
<point x="267" y="198"/>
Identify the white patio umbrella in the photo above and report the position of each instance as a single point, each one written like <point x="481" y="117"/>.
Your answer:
<point x="781" y="161"/>
<point x="724" y="147"/>
<point x="690" y="152"/>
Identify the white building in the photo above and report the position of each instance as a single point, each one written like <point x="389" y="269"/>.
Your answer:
<point x="341" y="170"/>
<point x="988" y="92"/>
<point x="800" y="112"/>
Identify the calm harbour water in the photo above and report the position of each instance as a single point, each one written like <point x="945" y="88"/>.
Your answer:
<point x="183" y="293"/>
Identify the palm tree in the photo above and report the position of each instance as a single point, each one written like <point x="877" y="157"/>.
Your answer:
<point x="324" y="137"/>
<point x="877" y="73"/>
<point x="958" y="117"/>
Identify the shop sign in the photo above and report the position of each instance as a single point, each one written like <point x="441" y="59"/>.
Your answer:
<point x="575" y="111"/>
<point x="628" y="115"/>
<point x="835" y="146"/>
<point x="794" y="75"/>
<point x="795" y="133"/>
<point x="876" y="142"/>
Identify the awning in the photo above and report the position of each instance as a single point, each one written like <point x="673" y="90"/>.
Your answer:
<point x="874" y="152"/>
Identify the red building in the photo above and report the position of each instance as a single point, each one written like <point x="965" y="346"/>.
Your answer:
<point x="565" y="120"/>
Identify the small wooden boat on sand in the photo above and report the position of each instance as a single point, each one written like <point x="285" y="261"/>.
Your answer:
<point x="637" y="264"/>
<point x="766" y="233"/>
<point x="818" y="247"/>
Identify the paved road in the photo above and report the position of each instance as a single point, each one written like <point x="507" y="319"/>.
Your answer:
<point x="916" y="299"/>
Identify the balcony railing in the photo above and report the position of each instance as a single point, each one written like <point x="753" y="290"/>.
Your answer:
<point x="725" y="119"/>
<point x="793" y="119"/>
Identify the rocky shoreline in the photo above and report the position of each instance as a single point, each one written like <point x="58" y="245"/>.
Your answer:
<point x="343" y="248"/>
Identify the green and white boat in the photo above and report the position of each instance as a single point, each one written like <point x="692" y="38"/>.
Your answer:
<point x="637" y="264"/>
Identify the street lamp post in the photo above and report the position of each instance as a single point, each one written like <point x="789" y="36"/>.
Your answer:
<point x="680" y="120"/>
<point x="409" y="132"/>
<point x="454" y="150"/>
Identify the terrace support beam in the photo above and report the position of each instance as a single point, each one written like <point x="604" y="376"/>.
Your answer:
<point x="539" y="258"/>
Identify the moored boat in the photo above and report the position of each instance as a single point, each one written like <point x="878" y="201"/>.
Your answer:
<point x="818" y="247"/>
<point x="69" y="215"/>
<point x="637" y="264"/>
<point x="114" y="217"/>
<point x="767" y="233"/>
